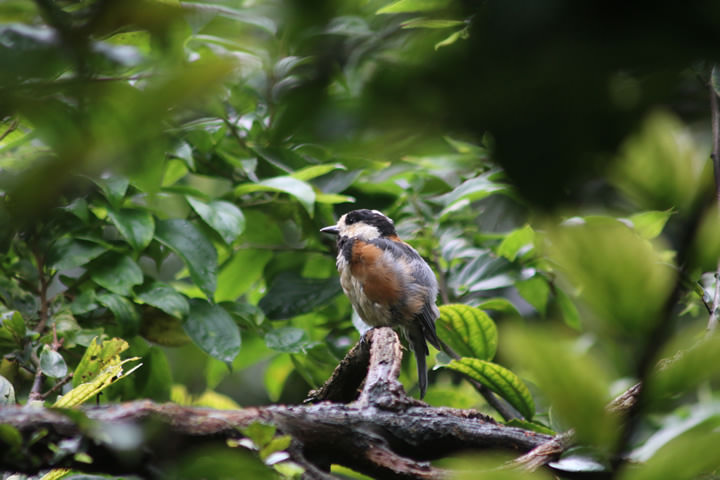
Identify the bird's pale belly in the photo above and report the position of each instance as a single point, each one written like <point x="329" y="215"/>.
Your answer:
<point x="372" y="313"/>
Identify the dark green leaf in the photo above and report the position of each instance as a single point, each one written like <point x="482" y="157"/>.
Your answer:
<point x="165" y="298"/>
<point x="213" y="330"/>
<point x="12" y="328"/>
<point x="113" y="188"/>
<point x="502" y="305"/>
<point x="123" y="310"/>
<point x="287" y="339"/>
<point x="69" y="253"/>
<point x="194" y="248"/>
<point x="52" y="363"/>
<point x="500" y="380"/>
<point x="136" y="226"/>
<point x="223" y="217"/>
<point x="117" y="273"/>
<point x="290" y="295"/>
<point x="469" y="331"/>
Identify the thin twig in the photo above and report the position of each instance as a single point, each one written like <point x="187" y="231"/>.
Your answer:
<point x="715" y="155"/>
<point x="11" y="128"/>
<point x="42" y="293"/>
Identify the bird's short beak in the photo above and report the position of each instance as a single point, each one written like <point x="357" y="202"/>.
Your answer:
<point x="331" y="229"/>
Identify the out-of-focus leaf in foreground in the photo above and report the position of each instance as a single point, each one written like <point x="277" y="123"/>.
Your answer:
<point x="577" y="386"/>
<point x="619" y="274"/>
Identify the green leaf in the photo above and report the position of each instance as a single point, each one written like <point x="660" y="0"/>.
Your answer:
<point x="502" y="305"/>
<point x="114" y="188"/>
<point x="96" y="358"/>
<point x="67" y="253"/>
<point x="650" y="224"/>
<point x="12" y="328"/>
<point x="194" y="248"/>
<point x="123" y="310"/>
<point x="291" y="294"/>
<point x="530" y="425"/>
<point x="406" y="6"/>
<point x="302" y="191"/>
<point x="52" y="363"/>
<point x="469" y="331"/>
<point x="287" y="339"/>
<point x="452" y="38"/>
<point x="164" y="297"/>
<point x="240" y="273"/>
<point x="135" y="225"/>
<point x="515" y="241"/>
<point x="622" y="268"/>
<point x="213" y="330"/>
<point x="432" y="23"/>
<point x="569" y="311"/>
<point x="7" y="392"/>
<point x="536" y="291"/>
<point x="223" y="217"/>
<point x="117" y="273"/>
<point x="500" y="380"/>
<point x="691" y="359"/>
<point x="314" y="171"/>
<point x="575" y="383"/>
<point x="261" y="434"/>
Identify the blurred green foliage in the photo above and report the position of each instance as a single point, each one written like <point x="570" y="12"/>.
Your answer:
<point x="165" y="168"/>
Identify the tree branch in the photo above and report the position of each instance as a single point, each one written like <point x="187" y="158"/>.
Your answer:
<point x="383" y="433"/>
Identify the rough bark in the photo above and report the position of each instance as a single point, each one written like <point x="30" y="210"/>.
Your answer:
<point x="381" y="432"/>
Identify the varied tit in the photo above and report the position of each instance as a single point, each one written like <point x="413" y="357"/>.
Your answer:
<point x="387" y="281"/>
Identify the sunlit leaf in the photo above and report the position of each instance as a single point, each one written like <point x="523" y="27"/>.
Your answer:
<point x="96" y="358"/>
<point x="650" y="224"/>
<point x="623" y="267"/>
<point x="406" y="6"/>
<point x="469" y="331"/>
<point x="431" y="23"/>
<point x="302" y="191"/>
<point x="535" y="290"/>
<point x="516" y="243"/>
<point x="576" y="385"/>
<point x="500" y="380"/>
<point x="314" y="171"/>
<point x="240" y="273"/>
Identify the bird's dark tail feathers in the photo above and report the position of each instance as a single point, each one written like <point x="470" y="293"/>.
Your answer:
<point x="416" y="339"/>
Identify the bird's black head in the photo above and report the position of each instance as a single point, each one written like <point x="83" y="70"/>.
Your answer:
<point x="363" y="223"/>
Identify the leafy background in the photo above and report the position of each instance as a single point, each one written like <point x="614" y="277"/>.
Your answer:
<point x="166" y="167"/>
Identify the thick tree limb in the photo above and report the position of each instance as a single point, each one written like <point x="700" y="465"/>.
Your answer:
<point x="384" y="433"/>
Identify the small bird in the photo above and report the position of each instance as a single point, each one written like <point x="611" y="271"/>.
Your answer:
<point x="387" y="281"/>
